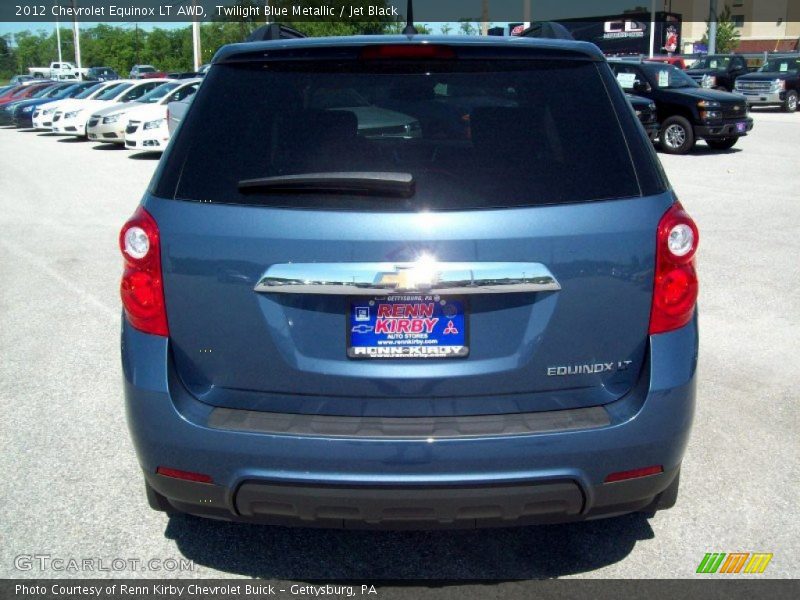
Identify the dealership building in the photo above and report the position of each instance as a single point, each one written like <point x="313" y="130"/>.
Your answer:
<point x="764" y="25"/>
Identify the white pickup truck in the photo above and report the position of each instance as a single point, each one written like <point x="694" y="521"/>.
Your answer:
<point x="58" y="70"/>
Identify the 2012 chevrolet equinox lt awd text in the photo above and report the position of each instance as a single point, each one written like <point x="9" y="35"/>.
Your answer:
<point x="383" y="282"/>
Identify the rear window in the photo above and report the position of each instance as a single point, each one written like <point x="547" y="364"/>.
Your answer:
<point x="472" y="134"/>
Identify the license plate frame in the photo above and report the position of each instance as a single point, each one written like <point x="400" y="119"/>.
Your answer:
<point x="421" y="341"/>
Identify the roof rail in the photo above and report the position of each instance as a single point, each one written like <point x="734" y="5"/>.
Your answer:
<point x="274" y="31"/>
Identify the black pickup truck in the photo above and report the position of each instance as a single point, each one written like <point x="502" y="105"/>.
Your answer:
<point x="776" y="83"/>
<point x="718" y="71"/>
<point x="686" y="111"/>
<point x="647" y="114"/>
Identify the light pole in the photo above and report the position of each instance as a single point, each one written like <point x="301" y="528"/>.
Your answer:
<point x="196" y="38"/>
<point x="77" y="33"/>
<point x="712" y="27"/>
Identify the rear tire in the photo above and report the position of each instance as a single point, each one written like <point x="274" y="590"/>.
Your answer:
<point x="677" y="135"/>
<point x="669" y="497"/>
<point x="790" y="104"/>
<point x="158" y="502"/>
<point x="722" y="144"/>
<point x="666" y="499"/>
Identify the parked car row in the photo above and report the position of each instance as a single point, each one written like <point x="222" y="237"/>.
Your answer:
<point x="130" y="112"/>
<point x="675" y="107"/>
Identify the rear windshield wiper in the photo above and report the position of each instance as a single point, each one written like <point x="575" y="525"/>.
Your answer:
<point x="363" y="183"/>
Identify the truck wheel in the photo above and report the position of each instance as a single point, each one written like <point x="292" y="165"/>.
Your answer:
<point x="722" y="143"/>
<point x="790" y="104"/>
<point x="677" y="135"/>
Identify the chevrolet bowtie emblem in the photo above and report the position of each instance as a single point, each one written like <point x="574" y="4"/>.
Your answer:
<point x="420" y="277"/>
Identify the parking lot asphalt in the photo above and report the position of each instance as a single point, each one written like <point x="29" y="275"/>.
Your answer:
<point x="72" y="487"/>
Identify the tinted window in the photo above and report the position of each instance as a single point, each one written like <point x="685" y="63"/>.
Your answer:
<point x="182" y="93"/>
<point x="139" y="91"/>
<point x="90" y="90"/>
<point x="113" y="91"/>
<point x="668" y="77"/>
<point x="157" y="93"/>
<point x="781" y="65"/>
<point x="530" y="132"/>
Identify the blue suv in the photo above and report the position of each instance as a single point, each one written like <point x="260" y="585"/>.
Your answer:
<point x="409" y="281"/>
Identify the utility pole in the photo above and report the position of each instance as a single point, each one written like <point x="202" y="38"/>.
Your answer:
<point x="77" y="33"/>
<point x="526" y="13"/>
<point x="58" y="38"/>
<point x="485" y="18"/>
<point x="712" y="27"/>
<point x="136" y="44"/>
<point x="652" y="26"/>
<point x="196" y="38"/>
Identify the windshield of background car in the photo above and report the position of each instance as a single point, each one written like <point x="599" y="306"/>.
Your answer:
<point x="54" y="91"/>
<point x="114" y="91"/>
<point x="523" y="135"/>
<point x="89" y="91"/>
<point x="43" y="92"/>
<point x="157" y="93"/>
<point x="668" y="77"/>
<point x="146" y="69"/>
<point x="781" y="65"/>
<point x="712" y="62"/>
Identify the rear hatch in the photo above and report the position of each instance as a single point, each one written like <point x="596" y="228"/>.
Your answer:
<point x="345" y="236"/>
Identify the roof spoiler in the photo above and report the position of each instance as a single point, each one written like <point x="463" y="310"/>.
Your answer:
<point x="274" y="31"/>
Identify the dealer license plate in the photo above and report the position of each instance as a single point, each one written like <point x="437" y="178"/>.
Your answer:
<point x="407" y="326"/>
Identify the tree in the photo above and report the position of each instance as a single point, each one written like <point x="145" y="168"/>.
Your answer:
<point x="468" y="26"/>
<point x="446" y="28"/>
<point x="727" y="35"/>
<point x="7" y="58"/>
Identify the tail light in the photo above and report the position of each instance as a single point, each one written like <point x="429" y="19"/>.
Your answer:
<point x="142" y="287"/>
<point x="675" y="287"/>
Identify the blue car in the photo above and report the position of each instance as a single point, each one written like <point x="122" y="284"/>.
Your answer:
<point x="342" y="311"/>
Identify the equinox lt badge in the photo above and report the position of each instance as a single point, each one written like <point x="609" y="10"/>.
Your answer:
<point x="587" y="369"/>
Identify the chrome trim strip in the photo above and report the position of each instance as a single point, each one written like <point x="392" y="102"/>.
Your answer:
<point x="424" y="276"/>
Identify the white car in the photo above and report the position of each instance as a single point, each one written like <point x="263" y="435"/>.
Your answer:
<point x="147" y="123"/>
<point x="108" y="124"/>
<point x="72" y="120"/>
<point x="43" y="114"/>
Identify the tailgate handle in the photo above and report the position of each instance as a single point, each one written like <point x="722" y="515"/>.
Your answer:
<point x="423" y="276"/>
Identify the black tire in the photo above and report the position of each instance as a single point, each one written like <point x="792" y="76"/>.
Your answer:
<point x="158" y="502"/>
<point x="790" y="103"/>
<point x="669" y="496"/>
<point x="722" y="144"/>
<point x="677" y="135"/>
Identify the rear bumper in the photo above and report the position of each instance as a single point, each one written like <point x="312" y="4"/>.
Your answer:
<point x="349" y="478"/>
<point x="723" y="130"/>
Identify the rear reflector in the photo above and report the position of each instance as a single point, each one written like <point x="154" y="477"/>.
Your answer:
<point x="407" y="51"/>
<point x="634" y="473"/>
<point x="186" y="475"/>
